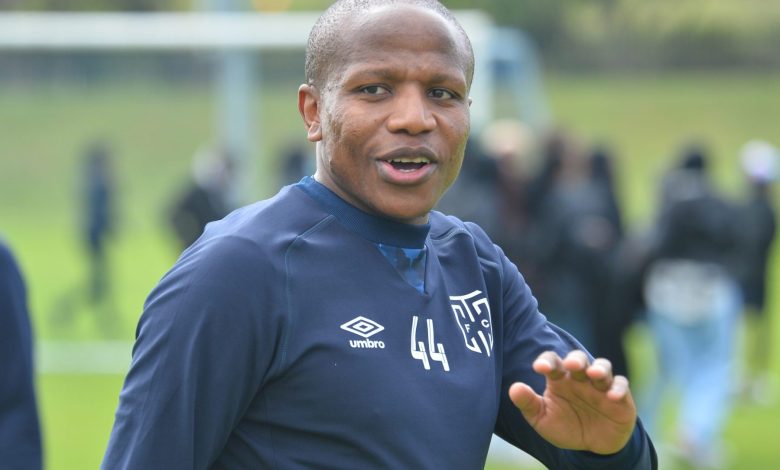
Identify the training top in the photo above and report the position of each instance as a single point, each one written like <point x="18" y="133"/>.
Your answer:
<point x="283" y="338"/>
<point x="20" y="438"/>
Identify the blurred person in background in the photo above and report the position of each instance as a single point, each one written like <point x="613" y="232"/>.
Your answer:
<point x="693" y="303"/>
<point x="534" y="194"/>
<point x="576" y="230"/>
<point x="474" y="196"/>
<point x="20" y="437"/>
<point x="343" y="323"/>
<point x="99" y="217"/>
<point x="513" y="145"/>
<point x="758" y="225"/>
<point x="610" y="282"/>
<point x="98" y="220"/>
<point x="602" y="174"/>
<point x="205" y="198"/>
<point x="295" y="164"/>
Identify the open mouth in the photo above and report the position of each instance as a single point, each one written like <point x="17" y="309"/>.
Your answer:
<point x="409" y="164"/>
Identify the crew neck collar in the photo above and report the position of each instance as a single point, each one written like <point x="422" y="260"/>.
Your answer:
<point x="371" y="227"/>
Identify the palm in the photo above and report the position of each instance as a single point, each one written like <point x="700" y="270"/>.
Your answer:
<point x="577" y="416"/>
<point x="583" y="406"/>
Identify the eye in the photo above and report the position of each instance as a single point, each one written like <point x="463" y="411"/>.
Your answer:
<point x="374" y="90"/>
<point x="441" y="94"/>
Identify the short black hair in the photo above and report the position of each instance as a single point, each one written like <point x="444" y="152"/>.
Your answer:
<point x="324" y="34"/>
<point x="694" y="158"/>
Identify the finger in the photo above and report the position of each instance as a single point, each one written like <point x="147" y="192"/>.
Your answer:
<point x="576" y="363"/>
<point x="600" y="374"/>
<point x="618" y="390"/>
<point x="526" y="400"/>
<point x="550" y="365"/>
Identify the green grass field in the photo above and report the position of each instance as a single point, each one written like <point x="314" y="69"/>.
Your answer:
<point x="154" y="129"/>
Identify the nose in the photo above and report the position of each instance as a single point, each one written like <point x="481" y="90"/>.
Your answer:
<point x="411" y="112"/>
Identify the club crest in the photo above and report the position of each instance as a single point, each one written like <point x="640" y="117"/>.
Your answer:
<point x="472" y="312"/>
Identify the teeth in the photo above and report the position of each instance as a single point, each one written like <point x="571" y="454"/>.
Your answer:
<point x="410" y="160"/>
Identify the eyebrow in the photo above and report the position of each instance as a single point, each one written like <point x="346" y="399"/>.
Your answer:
<point x="390" y="75"/>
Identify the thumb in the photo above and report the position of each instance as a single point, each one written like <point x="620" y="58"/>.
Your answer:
<point x="526" y="400"/>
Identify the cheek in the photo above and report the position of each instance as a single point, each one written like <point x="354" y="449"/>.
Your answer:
<point x="457" y="136"/>
<point x="331" y="124"/>
<point x="455" y="126"/>
<point x="463" y="128"/>
<point x="350" y="138"/>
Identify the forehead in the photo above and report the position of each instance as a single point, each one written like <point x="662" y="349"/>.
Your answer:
<point x="395" y="30"/>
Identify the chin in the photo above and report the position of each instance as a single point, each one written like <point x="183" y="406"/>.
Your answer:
<point x="417" y="216"/>
<point x="407" y="206"/>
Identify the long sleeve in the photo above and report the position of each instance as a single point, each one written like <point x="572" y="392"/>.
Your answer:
<point x="200" y="357"/>
<point x="20" y="440"/>
<point x="526" y="334"/>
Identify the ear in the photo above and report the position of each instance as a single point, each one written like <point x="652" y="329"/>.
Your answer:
<point x="309" y="107"/>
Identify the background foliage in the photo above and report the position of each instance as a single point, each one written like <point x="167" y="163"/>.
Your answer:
<point x="616" y="34"/>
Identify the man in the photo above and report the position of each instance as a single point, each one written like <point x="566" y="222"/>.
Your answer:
<point x="693" y="304"/>
<point x="204" y="199"/>
<point x="342" y="323"/>
<point x="99" y="213"/>
<point x="758" y="228"/>
<point x="20" y="438"/>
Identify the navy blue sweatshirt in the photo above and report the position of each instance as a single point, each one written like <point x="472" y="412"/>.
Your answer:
<point x="284" y="339"/>
<point x="20" y="439"/>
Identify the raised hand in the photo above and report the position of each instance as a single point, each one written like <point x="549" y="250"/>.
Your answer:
<point x="584" y="407"/>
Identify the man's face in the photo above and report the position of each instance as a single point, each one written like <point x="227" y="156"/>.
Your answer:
<point x="392" y="122"/>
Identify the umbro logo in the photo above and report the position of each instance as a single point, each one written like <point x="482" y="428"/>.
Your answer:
<point x="362" y="326"/>
<point x="366" y="328"/>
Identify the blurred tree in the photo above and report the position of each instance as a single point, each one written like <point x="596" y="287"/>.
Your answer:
<point x="96" y="5"/>
<point x="541" y="19"/>
<point x="618" y="34"/>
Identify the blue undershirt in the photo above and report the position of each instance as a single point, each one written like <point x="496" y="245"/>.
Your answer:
<point x="406" y="252"/>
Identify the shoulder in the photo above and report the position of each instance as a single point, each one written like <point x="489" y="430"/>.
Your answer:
<point x="243" y="254"/>
<point x="258" y="230"/>
<point x="290" y="210"/>
<point x="466" y="242"/>
<point x="9" y="269"/>
<point x="6" y="258"/>
<point x="13" y="303"/>
<point x="448" y="227"/>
